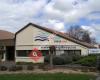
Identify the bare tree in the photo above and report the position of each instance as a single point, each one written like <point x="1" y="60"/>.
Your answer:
<point x="78" y="33"/>
<point x="73" y="30"/>
<point x="86" y="37"/>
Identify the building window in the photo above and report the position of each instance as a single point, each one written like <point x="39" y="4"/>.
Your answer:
<point x="44" y="52"/>
<point x="23" y="53"/>
<point x="78" y="52"/>
<point x="72" y="52"/>
<point x="59" y="52"/>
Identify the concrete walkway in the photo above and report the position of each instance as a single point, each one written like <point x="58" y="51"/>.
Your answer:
<point x="67" y="71"/>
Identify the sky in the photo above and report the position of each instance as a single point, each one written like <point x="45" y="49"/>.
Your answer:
<point x="55" y="14"/>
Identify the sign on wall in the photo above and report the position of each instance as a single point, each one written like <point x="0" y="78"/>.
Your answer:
<point x="43" y="36"/>
<point x="35" y="55"/>
<point x="58" y="47"/>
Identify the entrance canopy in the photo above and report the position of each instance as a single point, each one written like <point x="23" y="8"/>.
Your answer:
<point x="6" y="45"/>
<point x="6" y="38"/>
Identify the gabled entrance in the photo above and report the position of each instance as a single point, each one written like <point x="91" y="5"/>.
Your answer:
<point x="10" y="53"/>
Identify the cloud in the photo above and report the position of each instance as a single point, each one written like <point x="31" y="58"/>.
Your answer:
<point x="54" y="24"/>
<point x="94" y="29"/>
<point x="18" y="13"/>
<point x="59" y="26"/>
<point x="14" y="14"/>
<point x="90" y="29"/>
<point x="94" y="16"/>
<point x="70" y="10"/>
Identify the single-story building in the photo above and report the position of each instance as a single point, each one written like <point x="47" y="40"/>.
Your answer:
<point x="7" y="46"/>
<point x="33" y="36"/>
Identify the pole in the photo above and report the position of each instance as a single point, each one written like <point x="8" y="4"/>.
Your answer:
<point x="51" y="50"/>
<point x="51" y="60"/>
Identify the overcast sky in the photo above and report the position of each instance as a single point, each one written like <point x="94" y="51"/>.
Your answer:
<point x="55" y="14"/>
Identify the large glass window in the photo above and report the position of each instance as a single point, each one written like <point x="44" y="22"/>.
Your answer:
<point x="77" y="52"/>
<point x="45" y="52"/>
<point x="59" y="52"/>
<point x="72" y="52"/>
<point x="23" y="53"/>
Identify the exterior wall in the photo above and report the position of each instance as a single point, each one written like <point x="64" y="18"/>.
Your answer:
<point x="4" y="57"/>
<point x="25" y="40"/>
<point x="2" y="53"/>
<point x="27" y="59"/>
<point x="8" y="42"/>
<point x="26" y="37"/>
<point x="4" y="43"/>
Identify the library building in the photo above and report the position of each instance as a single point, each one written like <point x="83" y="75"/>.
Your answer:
<point x="33" y="36"/>
<point x="18" y="47"/>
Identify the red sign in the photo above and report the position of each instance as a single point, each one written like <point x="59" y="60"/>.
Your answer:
<point x="35" y="54"/>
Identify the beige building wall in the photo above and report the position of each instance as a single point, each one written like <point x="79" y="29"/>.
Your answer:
<point x="25" y="41"/>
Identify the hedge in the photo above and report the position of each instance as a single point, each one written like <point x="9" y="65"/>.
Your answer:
<point x="87" y="61"/>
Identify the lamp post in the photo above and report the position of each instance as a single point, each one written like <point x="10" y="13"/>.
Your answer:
<point x="52" y="52"/>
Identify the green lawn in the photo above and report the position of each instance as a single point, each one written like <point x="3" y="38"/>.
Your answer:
<point x="56" y="76"/>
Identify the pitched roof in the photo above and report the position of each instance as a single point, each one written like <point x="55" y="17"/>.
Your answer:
<point x="6" y="35"/>
<point x="58" y="34"/>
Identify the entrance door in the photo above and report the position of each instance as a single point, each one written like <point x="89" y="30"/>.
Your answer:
<point x="10" y="53"/>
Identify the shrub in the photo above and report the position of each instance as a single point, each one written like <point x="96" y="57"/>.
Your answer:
<point x="41" y="66"/>
<point x="98" y="63"/>
<point x="92" y="69"/>
<point x="71" y="57"/>
<point x="87" y="61"/>
<point x="3" y="68"/>
<point x="18" y="68"/>
<point x="45" y="68"/>
<point x="62" y="60"/>
<point x="67" y="59"/>
<point x="76" y="57"/>
<point x="47" y="59"/>
<point x="13" y="68"/>
<point x="30" y="67"/>
<point x="58" y="61"/>
<point x="24" y="63"/>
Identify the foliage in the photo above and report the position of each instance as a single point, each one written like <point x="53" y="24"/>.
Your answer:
<point x="27" y="63"/>
<point x="71" y="58"/>
<point x="47" y="59"/>
<point x="87" y="61"/>
<point x="98" y="63"/>
<point x="76" y="58"/>
<point x="47" y="76"/>
<point x="3" y="68"/>
<point x="58" y="61"/>
<point x="24" y="63"/>
<point x="67" y="59"/>
<point x="62" y="59"/>
<point x="79" y="33"/>
<point x="13" y="68"/>
<point x="30" y="67"/>
<point x="18" y="68"/>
